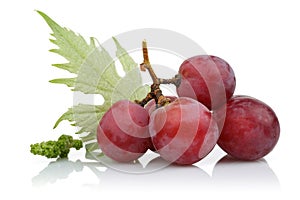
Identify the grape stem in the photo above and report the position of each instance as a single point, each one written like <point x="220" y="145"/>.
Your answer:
<point x="146" y="64"/>
<point x="155" y="92"/>
<point x="176" y="80"/>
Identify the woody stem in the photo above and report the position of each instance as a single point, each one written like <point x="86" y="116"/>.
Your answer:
<point x="155" y="92"/>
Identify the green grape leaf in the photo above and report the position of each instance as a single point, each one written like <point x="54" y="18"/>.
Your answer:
<point x="67" y="81"/>
<point x="73" y="47"/>
<point x="95" y="73"/>
<point x="126" y="61"/>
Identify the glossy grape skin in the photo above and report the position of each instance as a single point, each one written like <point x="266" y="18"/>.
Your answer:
<point x="251" y="129"/>
<point x="183" y="132"/>
<point x="208" y="79"/>
<point x="150" y="107"/>
<point x="123" y="133"/>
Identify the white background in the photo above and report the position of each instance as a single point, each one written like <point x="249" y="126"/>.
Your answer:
<point x="260" y="40"/>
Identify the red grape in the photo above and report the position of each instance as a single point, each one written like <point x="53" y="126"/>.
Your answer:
<point x="123" y="133"/>
<point x="251" y="129"/>
<point x="208" y="79"/>
<point x="183" y="131"/>
<point x="150" y="107"/>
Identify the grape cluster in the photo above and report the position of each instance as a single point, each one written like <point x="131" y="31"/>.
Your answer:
<point x="184" y="129"/>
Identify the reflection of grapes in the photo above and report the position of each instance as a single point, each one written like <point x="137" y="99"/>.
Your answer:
<point x="183" y="131"/>
<point x="123" y="131"/>
<point x="204" y="78"/>
<point x="170" y="177"/>
<point x="251" y="129"/>
<point x="232" y="174"/>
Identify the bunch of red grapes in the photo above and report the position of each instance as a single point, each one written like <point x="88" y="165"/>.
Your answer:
<point x="187" y="127"/>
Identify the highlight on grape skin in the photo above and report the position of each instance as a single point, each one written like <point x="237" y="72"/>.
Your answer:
<point x="118" y="142"/>
<point x="251" y="129"/>
<point x="184" y="131"/>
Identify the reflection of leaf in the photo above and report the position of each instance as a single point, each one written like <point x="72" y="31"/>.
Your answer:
<point x="56" y="170"/>
<point x="95" y="73"/>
